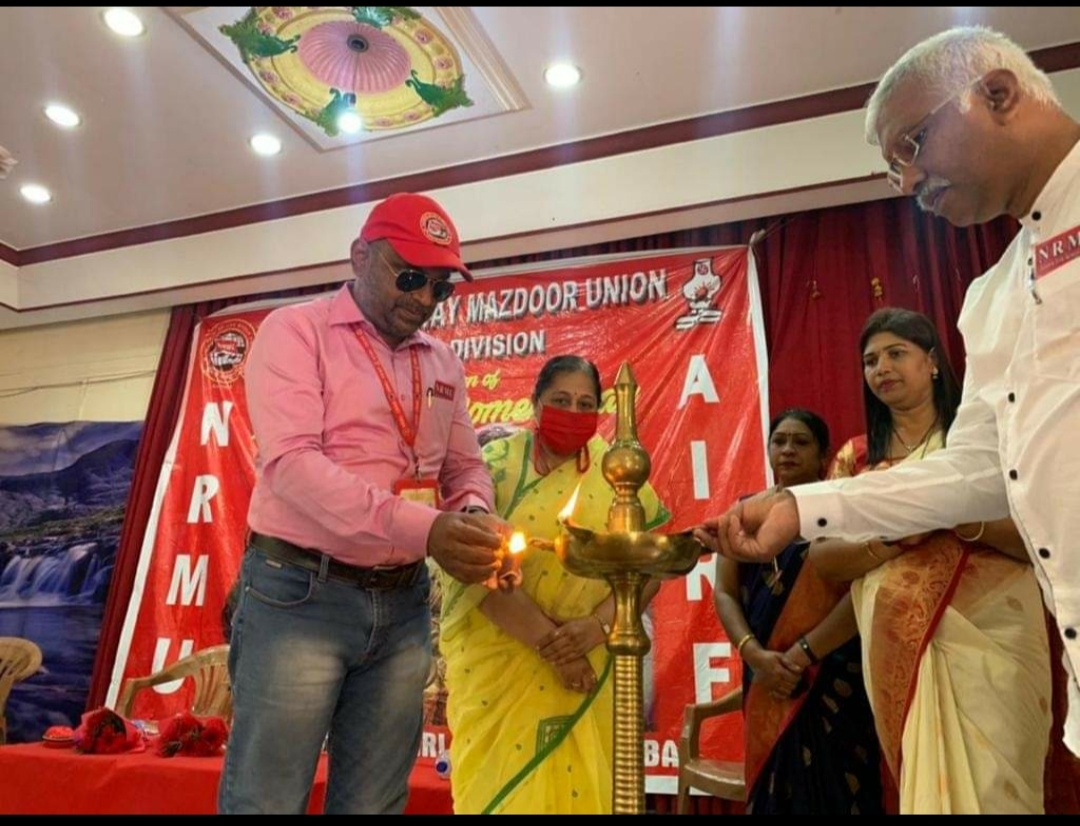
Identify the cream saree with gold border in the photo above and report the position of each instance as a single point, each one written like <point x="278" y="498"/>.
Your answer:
<point x="957" y="668"/>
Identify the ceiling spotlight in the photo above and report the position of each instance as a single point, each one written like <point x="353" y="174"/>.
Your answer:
<point x="265" y="144"/>
<point x="36" y="193"/>
<point x="350" y="122"/>
<point x="124" y="22"/>
<point x="62" y="115"/>
<point x="561" y="75"/>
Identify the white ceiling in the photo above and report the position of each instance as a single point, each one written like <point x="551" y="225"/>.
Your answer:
<point x="166" y="123"/>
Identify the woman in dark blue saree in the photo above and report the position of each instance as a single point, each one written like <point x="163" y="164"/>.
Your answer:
<point x="810" y="741"/>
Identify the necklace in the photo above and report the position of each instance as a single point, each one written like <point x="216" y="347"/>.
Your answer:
<point x="911" y="448"/>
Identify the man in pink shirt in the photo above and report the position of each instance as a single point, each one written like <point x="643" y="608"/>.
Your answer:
<point x="367" y="463"/>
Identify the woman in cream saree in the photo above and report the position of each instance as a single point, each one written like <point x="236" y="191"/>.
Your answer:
<point x="955" y="652"/>
<point x="524" y="738"/>
<point x="956" y="664"/>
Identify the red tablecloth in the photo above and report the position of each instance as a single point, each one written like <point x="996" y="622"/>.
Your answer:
<point x="35" y="779"/>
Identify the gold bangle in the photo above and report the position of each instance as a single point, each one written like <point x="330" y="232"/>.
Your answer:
<point x="975" y="538"/>
<point x="742" y="642"/>
<point x="870" y="551"/>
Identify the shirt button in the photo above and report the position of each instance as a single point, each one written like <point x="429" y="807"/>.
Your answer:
<point x="822" y="522"/>
<point x="1044" y="553"/>
<point x="1070" y="633"/>
<point x="1012" y="397"/>
<point x="1036" y="215"/>
<point x="1014" y="475"/>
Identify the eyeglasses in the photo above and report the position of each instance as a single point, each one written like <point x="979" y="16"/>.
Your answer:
<point x="911" y="143"/>
<point x="410" y="279"/>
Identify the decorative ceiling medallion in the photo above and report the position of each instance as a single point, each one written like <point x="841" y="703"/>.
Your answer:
<point x="394" y="66"/>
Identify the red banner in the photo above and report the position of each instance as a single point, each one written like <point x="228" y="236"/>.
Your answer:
<point x="689" y="324"/>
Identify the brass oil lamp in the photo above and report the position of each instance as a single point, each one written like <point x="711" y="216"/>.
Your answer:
<point x="627" y="556"/>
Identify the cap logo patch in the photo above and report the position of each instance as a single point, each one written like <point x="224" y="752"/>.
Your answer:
<point x="434" y="228"/>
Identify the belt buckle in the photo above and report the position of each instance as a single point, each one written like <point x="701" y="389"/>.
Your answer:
<point x="385" y="577"/>
<point x="401" y="576"/>
<point x="373" y="578"/>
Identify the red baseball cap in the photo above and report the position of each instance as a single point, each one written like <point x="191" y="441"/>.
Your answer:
<point x="418" y="229"/>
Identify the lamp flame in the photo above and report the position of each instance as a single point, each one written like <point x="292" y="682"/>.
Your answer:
<point x="517" y="542"/>
<point x="571" y="505"/>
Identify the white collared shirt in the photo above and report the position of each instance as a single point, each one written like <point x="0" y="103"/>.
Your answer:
<point x="1014" y="448"/>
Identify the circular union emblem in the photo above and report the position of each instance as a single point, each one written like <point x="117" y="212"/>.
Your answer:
<point x="225" y="349"/>
<point x="435" y="229"/>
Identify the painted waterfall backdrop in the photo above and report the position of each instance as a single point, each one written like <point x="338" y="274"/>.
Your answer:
<point x="63" y="488"/>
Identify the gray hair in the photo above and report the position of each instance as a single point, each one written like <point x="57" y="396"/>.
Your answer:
<point x="954" y="59"/>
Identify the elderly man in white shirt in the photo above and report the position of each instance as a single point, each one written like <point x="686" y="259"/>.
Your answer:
<point x="972" y="129"/>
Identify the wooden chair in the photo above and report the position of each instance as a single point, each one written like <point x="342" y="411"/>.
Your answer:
<point x="19" y="659"/>
<point x="209" y="669"/>
<point x="719" y="778"/>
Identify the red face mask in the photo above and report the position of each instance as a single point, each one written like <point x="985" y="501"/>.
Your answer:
<point x="565" y="431"/>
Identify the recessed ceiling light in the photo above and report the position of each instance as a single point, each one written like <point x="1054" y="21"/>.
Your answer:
<point x="62" y="115"/>
<point x="124" y="22"/>
<point x="561" y="75"/>
<point x="350" y="122"/>
<point x="265" y="144"/>
<point x="36" y="193"/>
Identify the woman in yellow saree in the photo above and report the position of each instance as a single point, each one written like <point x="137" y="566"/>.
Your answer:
<point x="528" y="677"/>
<point x="955" y="651"/>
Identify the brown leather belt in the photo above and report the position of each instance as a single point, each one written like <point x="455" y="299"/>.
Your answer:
<point x="371" y="579"/>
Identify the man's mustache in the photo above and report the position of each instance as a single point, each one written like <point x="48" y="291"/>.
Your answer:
<point x="929" y="188"/>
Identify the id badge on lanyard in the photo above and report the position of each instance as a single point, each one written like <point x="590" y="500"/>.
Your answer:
<point x="414" y="488"/>
<point x="424" y="491"/>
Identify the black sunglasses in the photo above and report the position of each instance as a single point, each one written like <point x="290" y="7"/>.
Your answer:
<point x="410" y="280"/>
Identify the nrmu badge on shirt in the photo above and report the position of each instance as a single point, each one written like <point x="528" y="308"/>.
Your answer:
<point x="442" y="390"/>
<point x="1056" y="252"/>
<point x="424" y="491"/>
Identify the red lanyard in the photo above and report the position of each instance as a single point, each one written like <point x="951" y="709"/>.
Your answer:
<point x="408" y="432"/>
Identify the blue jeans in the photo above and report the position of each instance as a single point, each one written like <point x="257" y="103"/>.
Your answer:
<point x="310" y="656"/>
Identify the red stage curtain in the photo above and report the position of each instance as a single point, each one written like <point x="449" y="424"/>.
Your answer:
<point x="824" y="272"/>
<point x="161" y="417"/>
